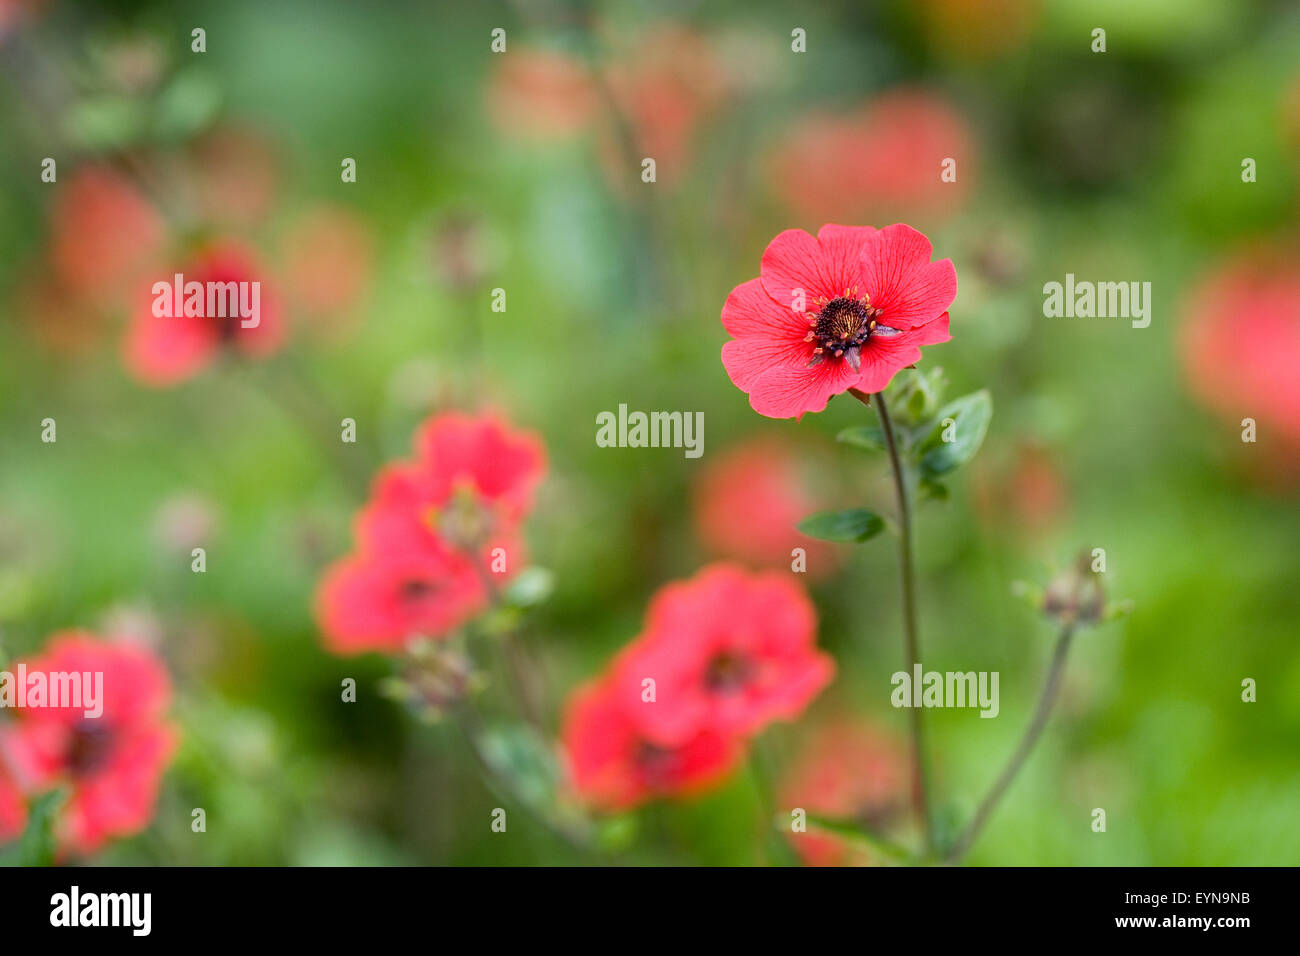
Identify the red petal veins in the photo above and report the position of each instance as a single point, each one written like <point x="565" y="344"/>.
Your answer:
<point x="896" y="272"/>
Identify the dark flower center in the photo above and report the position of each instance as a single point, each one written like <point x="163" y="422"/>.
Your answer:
<point x="416" y="589"/>
<point x="89" y="748"/>
<point x="657" y="765"/>
<point x="842" y="327"/>
<point x="843" y="322"/>
<point x="728" y="671"/>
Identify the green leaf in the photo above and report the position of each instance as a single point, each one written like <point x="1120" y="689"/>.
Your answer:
<point x="105" y="122"/>
<point x="37" y="844"/>
<point x="866" y="437"/>
<point x="530" y="587"/>
<point x="852" y="524"/>
<point x="963" y="422"/>
<point x="186" y="106"/>
<point x="517" y="754"/>
<point x="930" y="488"/>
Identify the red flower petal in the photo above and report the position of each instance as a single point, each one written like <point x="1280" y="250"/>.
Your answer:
<point x="789" y="391"/>
<point x="901" y="280"/>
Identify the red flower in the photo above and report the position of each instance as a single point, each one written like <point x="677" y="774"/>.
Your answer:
<point x="162" y="350"/>
<point x="615" y="765"/>
<point x="329" y="258"/>
<point x="103" y="233"/>
<point x="113" y="763"/>
<point x="845" y="310"/>
<point x="540" y="94"/>
<point x="728" y="651"/>
<point x="848" y="772"/>
<point x="882" y="161"/>
<point x="1241" y="342"/>
<point x="748" y="501"/>
<point x="13" y="809"/>
<point x="428" y="539"/>
<point x="471" y="483"/>
<point x="665" y="84"/>
<point x="379" y="603"/>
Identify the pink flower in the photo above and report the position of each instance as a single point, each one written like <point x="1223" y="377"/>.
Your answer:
<point x="846" y="309"/>
<point x="615" y="765"/>
<point x="729" y="651"/>
<point x="748" y="501"/>
<point x="113" y="763"/>
<point x="163" y="350"/>
<point x="431" y="538"/>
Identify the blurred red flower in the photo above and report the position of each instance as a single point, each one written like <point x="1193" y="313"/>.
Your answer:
<point x="472" y="481"/>
<point x="847" y="771"/>
<point x="540" y="94"/>
<point x="614" y="765"/>
<point x="728" y="650"/>
<point x="1026" y="492"/>
<point x="847" y="309"/>
<point x="234" y="173"/>
<point x="748" y="501"/>
<point x="664" y="87"/>
<point x="13" y="809"/>
<point x="883" y="161"/>
<point x="427" y="537"/>
<point x="163" y="350"/>
<point x="104" y="234"/>
<point x="329" y="258"/>
<point x="377" y="602"/>
<point x="113" y="763"/>
<point x="1240" y="348"/>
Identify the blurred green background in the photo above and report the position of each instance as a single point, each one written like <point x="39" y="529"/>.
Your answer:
<point x="1116" y="166"/>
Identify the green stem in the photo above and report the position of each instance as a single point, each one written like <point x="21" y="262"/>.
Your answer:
<point x="1032" y="733"/>
<point x="911" y="644"/>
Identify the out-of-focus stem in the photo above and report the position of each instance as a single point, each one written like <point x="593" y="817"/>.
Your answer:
<point x="920" y="788"/>
<point x="1032" y="733"/>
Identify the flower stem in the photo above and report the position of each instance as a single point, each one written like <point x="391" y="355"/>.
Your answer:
<point x="1032" y="733"/>
<point x="920" y="786"/>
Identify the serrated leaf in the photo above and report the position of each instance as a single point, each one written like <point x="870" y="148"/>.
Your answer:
<point x="852" y="524"/>
<point x="966" y="421"/>
<point x="866" y="437"/>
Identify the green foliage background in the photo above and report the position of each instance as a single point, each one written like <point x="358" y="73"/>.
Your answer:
<point x="1123" y="165"/>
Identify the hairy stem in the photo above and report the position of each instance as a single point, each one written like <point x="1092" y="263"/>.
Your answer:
<point x="1032" y="733"/>
<point x="911" y="646"/>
